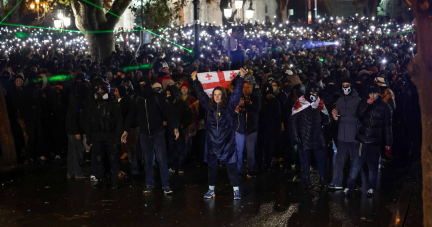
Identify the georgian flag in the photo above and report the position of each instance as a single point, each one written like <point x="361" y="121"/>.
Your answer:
<point x="210" y="80"/>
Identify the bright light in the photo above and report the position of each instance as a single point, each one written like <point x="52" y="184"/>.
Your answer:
<point x="67" y="21"/>
<point x="238" y="4"/>
<point x="32" y="6"/>
<point x="57" y="23"/>
<point x="228" y="12"/>
<point x="60" y="15"/>
<point x="384" y="61"/>
<point x="250" y="13"/>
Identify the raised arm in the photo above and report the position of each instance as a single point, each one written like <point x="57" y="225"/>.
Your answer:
<point x="237" y="92"/>
<point x="201" y="95"/>
<point x="236" y="95"/>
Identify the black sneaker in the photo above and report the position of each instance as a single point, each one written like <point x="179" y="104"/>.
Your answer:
<point x="371" y="193"/>
<point x="100" y="184"/>
<point x="148" y="189"/>
<point x="347" y="192"/>
<point x="168" y="190"/>
<point x="307" y="183"/>
<point x="334" y="187"/>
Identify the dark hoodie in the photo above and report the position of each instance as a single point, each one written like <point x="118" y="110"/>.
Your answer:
<point x="270" y="114"/>
<point x="75" y="119"/>
<point x="180" y="109"/>
<point x="15" y="99"/>
<point x="150" y="109"/>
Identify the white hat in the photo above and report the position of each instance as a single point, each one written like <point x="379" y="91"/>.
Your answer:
<point x="380" y="81"/>
<point x="289" y="72"/>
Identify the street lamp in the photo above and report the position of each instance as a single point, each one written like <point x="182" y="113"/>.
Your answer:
<point x="250" y="12"/>
<point x="36" y="5"/>
<point x="228" y="12"/>
<point x="238" y="4"/>
<point x="62" y="22"/>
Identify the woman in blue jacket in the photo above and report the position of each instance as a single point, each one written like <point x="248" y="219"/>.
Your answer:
<point x="220" y="138"/>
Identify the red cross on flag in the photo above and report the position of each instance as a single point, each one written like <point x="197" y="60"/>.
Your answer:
<point x="210" y="80"/>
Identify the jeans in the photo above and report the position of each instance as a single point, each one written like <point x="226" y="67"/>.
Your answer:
<point x="370" y="154"/>
<point x="344" y="150"/>
<point x="250" y="140"/>
<point x="305" y="158"/>
<point x="157" y="142"/>
<point x="232" y="174"/>
<point x="103" y="145"/>
<point x="75" y="156"/>
<point x="176" y="150"/>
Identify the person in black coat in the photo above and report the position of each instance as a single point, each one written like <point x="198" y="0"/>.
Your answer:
<point x="246" y="125"/>
<point x="15" y="99"/>
<point x="345" y="115"/>
<point x="270" y="125"/>
<point x="75" y="129"/>
<point x="308" y="117"/>
<point x="129" y="148"/>
<point x="33" y="119"/>
<point x="375" y="130"/>
<point x="184" y="116"/>
<point x="104" y="126"/>
<point x="150" y="109"/>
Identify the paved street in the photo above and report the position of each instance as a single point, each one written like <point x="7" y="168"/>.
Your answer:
<point x="43" y="196"/>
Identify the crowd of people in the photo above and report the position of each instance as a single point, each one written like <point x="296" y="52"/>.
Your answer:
<point x="303" y="91"/>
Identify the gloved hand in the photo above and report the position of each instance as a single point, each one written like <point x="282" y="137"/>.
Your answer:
<point x="297" y="140"/>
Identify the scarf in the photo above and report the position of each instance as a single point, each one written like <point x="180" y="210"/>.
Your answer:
<point x="302" y="104"/>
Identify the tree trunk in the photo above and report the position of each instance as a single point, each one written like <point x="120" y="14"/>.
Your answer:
<point x="281" y="10"/>
<point x="421" y="71"/>
<point x="106" y="43"/>
<point x="181" y="15"/>
<point x="101" y="44"/>
<point x="6" y="139"/>
<point x="94" y="23"/>
<point x="2" y="8"/>
<point x="374" y="8"/>
<point x="93" y="44"/>
<point x="15" y="15"/>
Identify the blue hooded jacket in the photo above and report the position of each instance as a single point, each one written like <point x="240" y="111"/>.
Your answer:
<point x="220" y="138"/>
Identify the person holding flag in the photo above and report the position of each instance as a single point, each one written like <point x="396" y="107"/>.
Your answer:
<point x="220" y="138"/>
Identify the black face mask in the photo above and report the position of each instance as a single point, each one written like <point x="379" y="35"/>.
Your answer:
<point x="144" y="89"/>
<point x="171" y="99"/>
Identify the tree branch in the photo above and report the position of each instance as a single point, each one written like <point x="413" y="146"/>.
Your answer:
<point x="100" y="15"/>
<point x="118" y="8"/>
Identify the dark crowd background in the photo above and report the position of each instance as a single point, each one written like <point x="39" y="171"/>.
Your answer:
<point x="44" y="71"/>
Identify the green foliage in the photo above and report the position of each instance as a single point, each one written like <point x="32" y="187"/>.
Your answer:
<point x="384" y="8"/>
<point x="63" y="2"/>
<point x="159" y="13"/>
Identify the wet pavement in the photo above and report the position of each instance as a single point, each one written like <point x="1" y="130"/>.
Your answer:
<point x="41" y="195"/>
